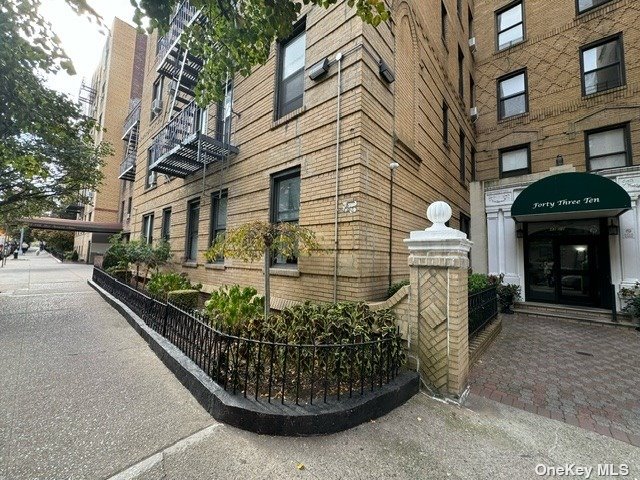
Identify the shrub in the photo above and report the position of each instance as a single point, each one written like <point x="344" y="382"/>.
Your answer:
<point x="631" y="297"/>
<point x="507" y="295"/>
<point x="393" y="289"/>
<point x="121" y="275"/>
<point x="478" y="282"/>
<point x="185" y="299"/>
<point x="74" y="256"/>
<point x="163" y="283"/>
<point x="234" y="305"/>
<point x="68" y="255"/>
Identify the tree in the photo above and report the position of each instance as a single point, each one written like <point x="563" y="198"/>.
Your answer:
<point x="47" y="152"/>
<point x="236" y="35"/>
<point x="254" y="240"/>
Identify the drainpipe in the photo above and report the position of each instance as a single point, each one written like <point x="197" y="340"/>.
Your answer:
<point x="335" y="226"/>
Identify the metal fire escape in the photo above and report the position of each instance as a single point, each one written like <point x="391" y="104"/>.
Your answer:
<point x="183" y="147"/>
<point x="130" y="137"/>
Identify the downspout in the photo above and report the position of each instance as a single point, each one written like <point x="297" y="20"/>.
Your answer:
<point x="335" y="226"/>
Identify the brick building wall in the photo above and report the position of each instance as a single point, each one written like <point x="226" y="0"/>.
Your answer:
<point x="369" y="141"/>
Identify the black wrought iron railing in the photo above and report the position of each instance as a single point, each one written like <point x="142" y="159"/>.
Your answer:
<point x="483" y="307"/>
<point x="261" y="368"/>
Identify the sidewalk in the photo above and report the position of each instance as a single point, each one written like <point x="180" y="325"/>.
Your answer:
<point x="82" y="396"/>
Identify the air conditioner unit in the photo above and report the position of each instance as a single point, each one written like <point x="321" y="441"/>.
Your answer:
<point x="472" y="44"/>
<point x="473" y="113"/>
<point x="156" y="106"/>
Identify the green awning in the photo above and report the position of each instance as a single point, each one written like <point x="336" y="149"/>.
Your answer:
<point x="568" y="196"/>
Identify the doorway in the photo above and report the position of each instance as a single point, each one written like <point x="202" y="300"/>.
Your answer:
<point x="568" y="263"/>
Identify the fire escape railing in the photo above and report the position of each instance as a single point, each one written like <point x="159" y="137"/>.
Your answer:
<point x="132" y="118"/>
<point x="182" y="17"/>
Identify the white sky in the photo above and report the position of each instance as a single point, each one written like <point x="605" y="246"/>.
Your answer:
<point x="82" y="40"/>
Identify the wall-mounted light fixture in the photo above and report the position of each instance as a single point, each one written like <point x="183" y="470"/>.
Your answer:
<point x="385" y="72"/>
<point x="613" y="227"/>
<point x="559" y="160"/>
<point x="319" y="70"/>
<point x="519" y="230"/>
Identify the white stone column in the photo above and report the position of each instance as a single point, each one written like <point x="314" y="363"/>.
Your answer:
<point x="439" y="263"/>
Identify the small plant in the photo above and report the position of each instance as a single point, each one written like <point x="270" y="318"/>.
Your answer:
<point x="162" y="283"/>
<point x="507" y="296"/>
<point x="74" y="256"/>
<point x="631" y="297"/>
<point x="393" y="289"/>
<point x="185" y="299"/>
<point x="234" y="305"/>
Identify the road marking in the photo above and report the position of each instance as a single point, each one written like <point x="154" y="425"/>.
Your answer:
<point x="148" y="463"/>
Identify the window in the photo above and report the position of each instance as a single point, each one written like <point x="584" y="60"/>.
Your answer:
<point x="445" y="123"/>
<point x="151" y="175"/>
<point x="129" y="207"/>
<point x="193" y="222"/>
<point x="472" y="91"/>
<point x="512" y="95"/>
<point x="443" y="23"/>
<point x="515" y="161"/>
<point x="122" y="212"/>
<point x="602" y="66"/>
<point x="586" y="5"/>
<point x="147" y="228"/>
<point x="473" y="164"/>
<point x="509" y="25"/>
<point x="166" y="224"/>
<point x="291" y="72"/>
<point x="463" y="160"/>
<point x="285" y="204"/>
<point x="224" y="112"/>
<point x="218" y="218"/>
<point x="461" y="73"/>
<point x="156" y="98"/>
<point x="465" y="224"/>
<point x="608" y="148"/>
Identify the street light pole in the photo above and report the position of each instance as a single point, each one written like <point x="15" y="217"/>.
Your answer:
<point x="392" y="166"/>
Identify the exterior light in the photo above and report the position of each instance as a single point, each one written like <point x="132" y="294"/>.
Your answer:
<point x="394" y="165"/>
<point x="385" y="72"/>
<point x="559" y="160"/>
<point x="319" y="70"/>
<point x="614" y="229"/>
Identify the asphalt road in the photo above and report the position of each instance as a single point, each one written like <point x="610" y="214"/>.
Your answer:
<point x="82" y="396"/>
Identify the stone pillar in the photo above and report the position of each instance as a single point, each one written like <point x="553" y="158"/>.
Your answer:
<point x="439" y="331"/>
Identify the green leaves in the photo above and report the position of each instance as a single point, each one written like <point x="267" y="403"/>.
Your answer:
<point x="235" y="305"/>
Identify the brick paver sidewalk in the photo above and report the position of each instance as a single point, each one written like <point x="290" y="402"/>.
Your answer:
<point x="583" y="374"/>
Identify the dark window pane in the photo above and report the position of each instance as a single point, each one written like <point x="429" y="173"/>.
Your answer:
<point x="513" y="106"/>
<point x="604" y="79"/>
<point x="588" y="4"/>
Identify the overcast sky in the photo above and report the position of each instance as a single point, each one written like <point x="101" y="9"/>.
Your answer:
<point x="81" y="39"/>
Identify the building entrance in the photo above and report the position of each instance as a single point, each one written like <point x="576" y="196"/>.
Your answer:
<point x="567" y="262"/>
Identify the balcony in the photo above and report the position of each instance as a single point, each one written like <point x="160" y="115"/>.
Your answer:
<point x="133" y="119"/>
<point x="180" y="149"/>
<point x="128" y="167"/>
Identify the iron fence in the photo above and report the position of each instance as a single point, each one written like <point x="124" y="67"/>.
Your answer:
<point x="483" y="307"/>
<point x="262" y="368"/>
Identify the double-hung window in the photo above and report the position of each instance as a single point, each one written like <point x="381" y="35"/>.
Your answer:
<point x="285" y="204"/>
<point x="156" y="98"/>
<point x="151" y="175"/>
<point x="602" y="66"/>
<point x="193" y="223"/>
<point x="224" y="113"/>
<point x="510" y="25"/>
<point x="218" y="218"/>
<point x="512" y="95"/>
<point x="608" y="148"/>
<point x="166" y="224"/>
<point x="586" y="5"/>
<point x="461" y="73"/>
<point x="147" y="228"/>
<point x="515" y="161"/>
<point x="291" y="73"/>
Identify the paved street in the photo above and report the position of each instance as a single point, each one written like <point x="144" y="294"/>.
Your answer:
<point x="582" y="374"/>
<point x="82" y="396"/>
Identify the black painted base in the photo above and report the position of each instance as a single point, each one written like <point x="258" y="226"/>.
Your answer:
<point x="270" y="418"/>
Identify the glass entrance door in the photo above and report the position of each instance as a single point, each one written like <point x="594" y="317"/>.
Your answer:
<point x="576" y="271"/>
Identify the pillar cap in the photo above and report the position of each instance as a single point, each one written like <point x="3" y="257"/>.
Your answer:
<point x="438" y="237"/>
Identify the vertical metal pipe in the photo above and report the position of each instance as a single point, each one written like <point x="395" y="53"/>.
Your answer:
<point x="335" y="227"/>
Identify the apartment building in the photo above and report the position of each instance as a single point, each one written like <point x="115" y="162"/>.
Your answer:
<point x="347" y="129"/>
<point x="117" y="80"/>
<point x="555" y="201"/>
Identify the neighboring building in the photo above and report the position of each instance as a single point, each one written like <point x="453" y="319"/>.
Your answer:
<point x="558" y="91"/>
<point x="289" y="145"/>
<point x="117" y="80"/>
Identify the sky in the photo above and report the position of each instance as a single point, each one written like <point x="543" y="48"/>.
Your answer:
<point x="82" y="40"/>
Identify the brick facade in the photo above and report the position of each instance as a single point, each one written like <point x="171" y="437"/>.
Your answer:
<point x="380" y="123"/>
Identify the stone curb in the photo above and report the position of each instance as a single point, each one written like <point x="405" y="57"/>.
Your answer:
<point x="268" y="418"/>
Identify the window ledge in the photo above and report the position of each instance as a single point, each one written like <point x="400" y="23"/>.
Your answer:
<point x="284" y="272"/>
<point x="289" y="116"/>
<point x="190" y="264"/>
<point x="215" y="266"/>
<point x="149" y="188"/>
<point x="513" y="117"/>
<point x="604" y="92"/>
<point x="508" y="49"/>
